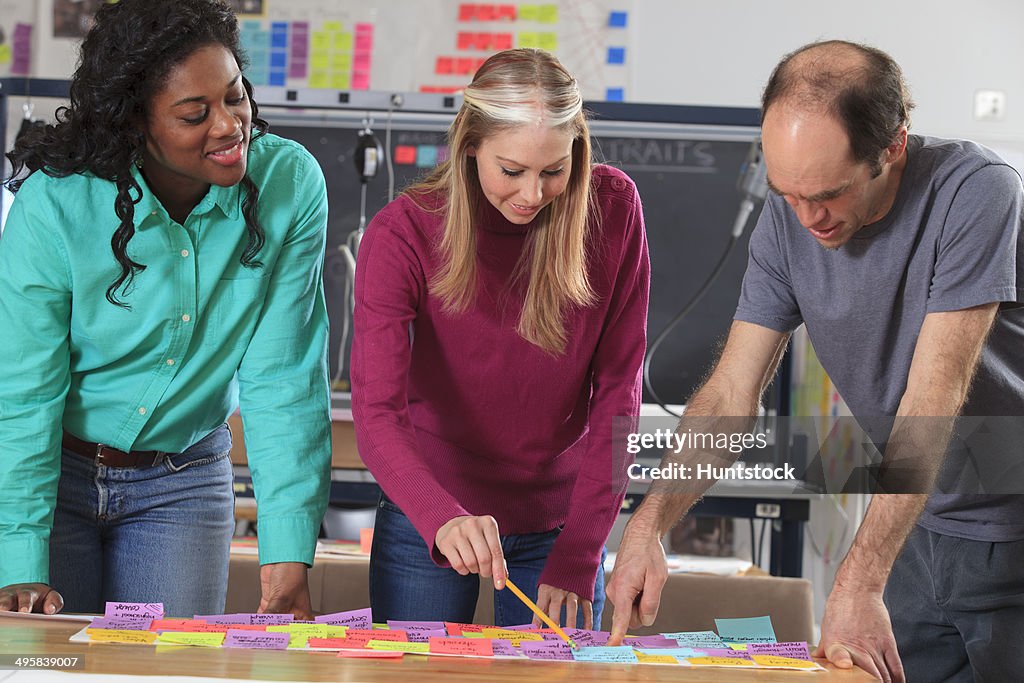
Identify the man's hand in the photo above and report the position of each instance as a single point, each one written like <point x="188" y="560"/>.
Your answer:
<point x="550" y="601"/>
<point x="284" y="589"/>
<point x="30" y="597"/>
<point x="857" y="630"/>
<point x="641" y="570"/>
<point x="473" y="546"/>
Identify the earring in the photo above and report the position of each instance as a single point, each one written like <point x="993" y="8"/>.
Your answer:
<point x="138" y="162"/>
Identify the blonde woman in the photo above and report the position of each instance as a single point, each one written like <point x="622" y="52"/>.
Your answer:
<point x="500" y="317"/>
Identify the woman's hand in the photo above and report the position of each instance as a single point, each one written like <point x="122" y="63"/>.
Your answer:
<point x="473" y="546"/>
<point x="550" y="600"/>
<point x="30" y="597"/>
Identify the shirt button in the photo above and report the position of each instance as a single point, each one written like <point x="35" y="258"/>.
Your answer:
<point x="186" y="317"/>
<point x="170" y="361"/>
<point x="152" y="213"/>
<point x="142" y="411"/>
<point x="184" y="253"/>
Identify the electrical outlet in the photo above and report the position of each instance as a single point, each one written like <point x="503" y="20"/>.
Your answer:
<point x="989" y="105"/>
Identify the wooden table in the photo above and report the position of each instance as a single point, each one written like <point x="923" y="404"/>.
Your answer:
<point x="36" y="637"/>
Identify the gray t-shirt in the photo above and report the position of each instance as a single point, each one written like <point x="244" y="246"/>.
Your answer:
<point x="952" y="240"/>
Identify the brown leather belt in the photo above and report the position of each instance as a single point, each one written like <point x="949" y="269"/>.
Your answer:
<point x="108" y="456"/>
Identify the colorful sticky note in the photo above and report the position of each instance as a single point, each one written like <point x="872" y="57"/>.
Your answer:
<point x="370" y="654"/>
<point x="749" y="630"/>
<point x="444" y="65"/>
<point x="696" y="638"/>
<point x="360" y="618"/>
<point x="467" y="12"/>
<point x="527" y="39"/>
<point x="413" y="626"/>
<point x="655" y="659"/>
<point x="504" y="648"/>
<point x="515" y="637"/>
<point x="614" y="94"/>
<point x="100" y="635"/>
<point x="507" y="12"/>
<point x="485" y="13"/>
<point x="191" y="638"/>
<point x="360" y="80"/>
<point x="122" y="624"/>
<point x="794" y="650"/>
<point x="378" y="634"/>
<point x="726" y="652"/>
<point x="784" y="662"/>
<point x="547" y="41"/>
<point x="332" y="26"/>
<point x="617" y="19"/>
<point x="465" y="40"/>
<point x="656" y="641"/>
<point x="135" y="610"/>
<point x="342" y="42"/>
<point x="620" y="653"/>
<point x="319" y="79"/>
<point x="398" y="646"/>
<point x="529" y="12"/>
<point x="616" y="55"/>
<point x="674" y="652"/>
<point x="406" y="154"/>
<point x="585" y="638"/>
<point x="426" y="156"/>
<point x="468" y="647"/>
<point x="719" y="661"/>
<point x="547" y="14"/>
<point x="547" y="649"/>
<point x="172" y="624"/>
<point x="502" y="41"/>
<point x="5" y="53"/>
<point x="262" y="640"/>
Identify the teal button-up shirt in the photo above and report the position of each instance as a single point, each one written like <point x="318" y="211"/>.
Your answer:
<point x="204" y="335"/>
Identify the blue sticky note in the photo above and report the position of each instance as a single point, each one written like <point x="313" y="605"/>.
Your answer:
<point x="426" y="156"/>
<point x="605" y="653"/>
<point x="617" y="19"/>
<point x="278" y="40"/>
<point x="616" y="55"/>
<point x="680" y="652"/>
<point x="696" y="638"/>
<point x="252" y="26"/>
<point x="278" y="60"/>
<point x="749" y="630"/>
<point x="614" y="95"/>
<point x="276" y="78"/>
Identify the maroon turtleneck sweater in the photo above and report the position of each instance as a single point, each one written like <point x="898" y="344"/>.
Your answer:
<point x="462" y="416"/>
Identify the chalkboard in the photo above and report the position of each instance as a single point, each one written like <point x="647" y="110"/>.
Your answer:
<point x="686" y="180"/>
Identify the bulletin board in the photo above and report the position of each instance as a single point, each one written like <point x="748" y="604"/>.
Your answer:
<point x="414" y="46"/>
<point x="17" y="22"/>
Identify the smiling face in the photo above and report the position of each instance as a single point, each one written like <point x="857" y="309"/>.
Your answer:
<point x="811" y="165"/>
<point x="197" y="130"/>
<point x="523" y="169"/>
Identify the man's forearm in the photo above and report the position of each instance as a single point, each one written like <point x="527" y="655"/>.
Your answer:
<point x="888" y="522"/>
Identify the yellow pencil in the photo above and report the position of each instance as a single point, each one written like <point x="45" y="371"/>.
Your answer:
<point x="536" y="610"/>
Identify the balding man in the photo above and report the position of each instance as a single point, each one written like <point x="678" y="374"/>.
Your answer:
<point x="903" y="257"/>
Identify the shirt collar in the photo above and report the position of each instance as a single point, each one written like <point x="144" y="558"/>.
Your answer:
<point x="227" y="199"/>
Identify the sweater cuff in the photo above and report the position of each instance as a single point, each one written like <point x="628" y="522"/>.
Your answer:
<point x="574" y="562"/>
<point x="287" y="539"/>
<point x="26" y="560"/>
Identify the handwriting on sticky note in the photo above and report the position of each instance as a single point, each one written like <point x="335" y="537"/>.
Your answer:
<point x="784" y="662"/>
<point x="515" y="637"/>
<point x="261" y="640"/>
<point x="619" y="653"/>
<point x="720" y="661"/>
<point x="118" y="624"/>
<point x="134" y="610"/>
<point x="100" y="635"/>
<point x="645" y="658"/>
<point x="748" y="630"/>
<point x="191" y="638"/>
<point x="397" y="646"/>
<point x="468" y="647"/>
<point x="360" y="618"/>
<point x="793" y="650"/>
<point x="696" y="638"/>
<point x="547" y="649"/>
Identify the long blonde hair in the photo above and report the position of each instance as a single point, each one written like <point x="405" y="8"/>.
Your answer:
<point x="510" y="89"/>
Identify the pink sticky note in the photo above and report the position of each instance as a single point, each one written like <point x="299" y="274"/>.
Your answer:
<point x="364" y="28"/>
<point x="134" y="610"/>
<point x="370" y="654"/>
<point x="471" y="647"/>
<point x="443" y="65"/>
<point x="465" y="40"/>
<point x="467" y="12"/>
<point x="360" y="618"/>
<point x="262" y="640"/>
<point x="502" y="41"/>
<point x="378" y="634"/>
<point x="650" y="642"/>
<point x="723" y="652"/>
<point x="406" y="154"/>
<point x="546" y="649"/>
<point x="454" y="628"/>
<point x="361" y="61"/>
<point x="172" y="624"/>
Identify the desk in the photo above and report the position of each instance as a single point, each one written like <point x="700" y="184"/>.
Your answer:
<point x="32" y="637"/>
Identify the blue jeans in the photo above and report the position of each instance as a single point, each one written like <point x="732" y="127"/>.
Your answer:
<point x="405" y="583"/>
<point x="150" y="534"/>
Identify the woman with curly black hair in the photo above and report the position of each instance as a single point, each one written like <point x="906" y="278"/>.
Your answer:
<point x="161" y="265"/>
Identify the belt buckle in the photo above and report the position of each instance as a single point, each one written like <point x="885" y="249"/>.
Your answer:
<point x="99" y="453"/>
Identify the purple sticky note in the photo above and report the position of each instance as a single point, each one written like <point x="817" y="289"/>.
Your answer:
<point x="585" y="638"/>
<point x="359" y="618"/>
<point x="263" y="640"/>
<point x="657" y="641"/>
<point x="504" y="648"/>
<point x="121" y="624"/>
<point x="519" y="627"/>
<point x="723" y="652"/>
<point x="134" y="610"/>
<point x="271" y="619"/>
<point x="544" y="649"/>
<point x="411" y="626"/>
<point x="425" y="636"/>
<point x="793" y="650"/>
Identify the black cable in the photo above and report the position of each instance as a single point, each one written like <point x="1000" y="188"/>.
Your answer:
<point x="753" y="542"/>
<point x="760" y="543"/>
<point x="675" y="321"/>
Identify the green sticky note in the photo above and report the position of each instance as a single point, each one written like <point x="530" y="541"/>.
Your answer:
<point x="343" y="42"/>
<point x="191" y="638"/>
<point x="529" y="12"/>
<point x="547" y="14"/>
<point x="320" y="60"/>
<point x="332" y="26"/>
<point x="528" y="39"/>
<point x="5" y="54"/>
<point x="340" y="81"/>
<point x="319" y="41"/>
<point x="547" y="41"/>
<point x="341" y="61"/>
<point x="319" y="79"/>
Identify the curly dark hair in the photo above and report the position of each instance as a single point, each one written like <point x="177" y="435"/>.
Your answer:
<point x="125" y="60"/>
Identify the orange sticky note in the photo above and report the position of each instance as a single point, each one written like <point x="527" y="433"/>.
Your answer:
<point x="472" y="647"/>
<point x="457" y="629"/>
<point x="174" y="624"/>
<point x="405" y="154"/>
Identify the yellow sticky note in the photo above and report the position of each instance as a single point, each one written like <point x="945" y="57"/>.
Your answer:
<point x="655" y="659"/>
<point x="109" y="635"/>
<point x="528" y="39"/>
<point x="547" y="14"/>
<point x="191" y="638"/>
<point x="343" y="41"/>
<point x="719" y="661"/>
<point x="332" y="26"/>
<point x="320" y="41"/>
<point x="515" y="637"/>
<point x="5" y="54"/>
<point x="320" y="60"/>
<point x="341" y="61"/>
<point x="473" y="634"/>
<point x="395" y="646"/>
<point x="739" y="647"/>
<point x="547" y="41"/>
<point x="787" y="662"/>
<point x="318" y="79"/>
<point x="529" y="12"/>
<point x="341" y="80"/>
